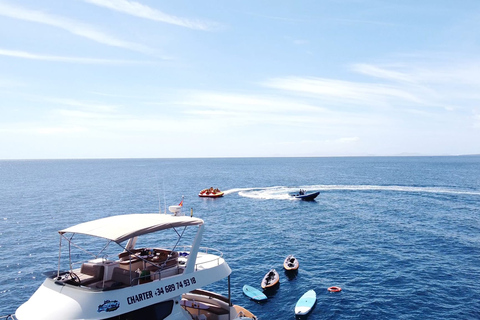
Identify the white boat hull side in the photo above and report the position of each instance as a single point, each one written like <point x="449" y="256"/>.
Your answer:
<point x="53" y="301"/>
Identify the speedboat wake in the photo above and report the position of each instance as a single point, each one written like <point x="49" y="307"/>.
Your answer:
<point x="284" y="193"/>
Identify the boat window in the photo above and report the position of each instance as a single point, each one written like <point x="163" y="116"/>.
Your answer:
<point x="158" y="311"/>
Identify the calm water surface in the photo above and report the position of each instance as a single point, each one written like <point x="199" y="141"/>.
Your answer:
<point x="401" y="236"/>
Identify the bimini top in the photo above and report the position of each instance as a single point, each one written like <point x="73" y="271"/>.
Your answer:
<point x="123" y="227"/>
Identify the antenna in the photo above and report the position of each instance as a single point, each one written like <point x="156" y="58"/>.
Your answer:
<point x="164" y="200"/>
<point x="158" y="194"/>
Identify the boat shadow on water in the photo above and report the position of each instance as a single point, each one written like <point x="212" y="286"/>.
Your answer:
<point x="291" y="274"/>
<point x="272" y="291"/>
<point x="304" y="317"/>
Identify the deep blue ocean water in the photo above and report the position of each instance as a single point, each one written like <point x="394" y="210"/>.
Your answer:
<point x="399" y="235"/>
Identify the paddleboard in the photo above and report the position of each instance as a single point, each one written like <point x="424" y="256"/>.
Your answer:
<point x="305" y="303"/>
<point x="254" y="293"/>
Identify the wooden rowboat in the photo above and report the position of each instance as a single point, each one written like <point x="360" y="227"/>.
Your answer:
<point x="290" y="263"/>
<point x="271" y="279"/>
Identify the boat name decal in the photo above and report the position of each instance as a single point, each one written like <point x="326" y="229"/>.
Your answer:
<point x="108" y="306"/>
<point x="140" y="297"/>
<point x="161" y="290"/>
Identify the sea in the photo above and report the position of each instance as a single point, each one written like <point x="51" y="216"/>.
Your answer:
<point x="399" y="235"/>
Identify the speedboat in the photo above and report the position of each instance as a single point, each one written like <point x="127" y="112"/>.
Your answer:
<point x="303" y="195"/>
<point x="141" y="281"/>
<point x="211" y="193"/>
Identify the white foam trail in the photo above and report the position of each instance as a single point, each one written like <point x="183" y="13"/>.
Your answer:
<point x="277" y="192"/>
<point x="236" y="190"/>
<point x="393" y="188"/>
<point x="283" y="193"/>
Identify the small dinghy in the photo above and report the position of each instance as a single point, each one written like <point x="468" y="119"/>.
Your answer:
<point x="303" y="195"/>
<point x="211" y="193"/>
<point x="254" y="293"/>
<point x="305" y="303"/>
<point x="271" y="279"/>
<point x="290" y="263"/>
<point x="243" y="314"/>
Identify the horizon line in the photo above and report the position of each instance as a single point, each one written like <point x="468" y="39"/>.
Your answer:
<point x="248" y="157"/>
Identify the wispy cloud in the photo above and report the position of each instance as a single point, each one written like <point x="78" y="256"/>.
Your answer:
<point x="372" y="22"/>
<point x="10" y="83"/>
<point x="340" y="91"/>
<point x="72" y="26"/>
<point x="84" y="105"/>
<point x="34" y="56"/>
<point x="233" y="109"/>
<point x="476" y="118"/>
<point x="300" y="42"/>
<point x="282" y="18"/>
<point x="140" y="10"/>
<point x="247" y="102"/>
<point x="347" y="140"/>
<point x="382" y="73"/>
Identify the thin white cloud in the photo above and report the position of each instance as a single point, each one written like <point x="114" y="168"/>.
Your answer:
<point x="476" y="118"/>
<point x="300" y="42"/>
<point x="34" y="56"/>
<point x="443" y="81"/>
<point x="77" y="114"/>
<point x="140" y="10"/>
<point x="383" y="73"/>
<point x="72" y="26"/>
<point x="368" y="94"/>
<point x="371" y="22"/>
<point x="247" y="103"/>
<point x="347" y="140"/>
<point x="46" y="130"/>
<point x="85" y="105"/>
<point x="232" y="109"/>
<point x="288" y="19"/>
<point x="10" y="83"/>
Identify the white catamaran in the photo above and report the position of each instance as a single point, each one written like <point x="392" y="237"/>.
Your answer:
<point x="153" y="282"/>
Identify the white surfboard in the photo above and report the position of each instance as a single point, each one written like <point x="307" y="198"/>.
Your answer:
<point x="305" y="303"/>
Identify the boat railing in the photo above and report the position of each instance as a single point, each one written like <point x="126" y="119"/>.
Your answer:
<point x="217" y="255"/>
<point x="156" y="271"/>
<point x="8" y="317"/>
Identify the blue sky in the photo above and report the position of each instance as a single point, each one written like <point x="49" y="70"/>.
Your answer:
<point x="143" y="79"/>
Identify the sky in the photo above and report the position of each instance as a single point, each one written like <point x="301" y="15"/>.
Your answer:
<point x="185" y="79"/>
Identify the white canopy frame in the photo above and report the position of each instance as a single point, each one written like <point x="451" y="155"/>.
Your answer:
<point x="125" y="227"/>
